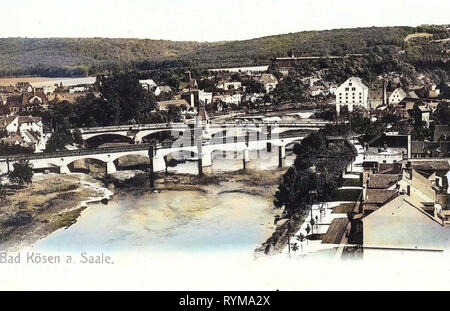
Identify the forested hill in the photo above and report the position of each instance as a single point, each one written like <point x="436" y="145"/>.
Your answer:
<point x="83" y="56"/>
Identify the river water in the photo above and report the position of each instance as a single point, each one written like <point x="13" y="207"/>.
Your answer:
<point x="174" y="221"/>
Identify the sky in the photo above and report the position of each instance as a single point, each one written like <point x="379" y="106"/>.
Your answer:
<point x="207" y="20"/>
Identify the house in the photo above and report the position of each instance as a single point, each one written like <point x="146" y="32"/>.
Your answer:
<point x="14" y="104"/>
<point x="404" y="108"/>
<point x="77" y="89"/>
<point x="14" y="140"/>
<point x="230" y="99"/>
<point x="352" y="93"/>
<point x="49" y="89"/>
<point x="165" y="89"/>
<point x="23" y="87"/>
<point x="401" y="209"/>
<point x="317" y="90"/>
<point x="417" y="187"/>
<point x="269" y="81"/>
<point x="402" y="224"/>
<point x="26" y="101"/>
<point x="29" y="128"/>
<point x="425" y="114"/>
<point x="330" y="87"/>
<point x="388" y="148"/>
<point x="376" y="97"/>
<point x="418" y="149"/>
<point x="229" y="85"/>
<point x="205" y="97"/>
<point x="433" y="91"/>
<point x="396" y="96"/>
<point x="164" y="105"/>
<point x="150" y="86"/>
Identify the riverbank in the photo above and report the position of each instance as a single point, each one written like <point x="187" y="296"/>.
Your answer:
<point x="51" y="202"/>
<point x="252" y="182"/>
<point x="56" y="201"/>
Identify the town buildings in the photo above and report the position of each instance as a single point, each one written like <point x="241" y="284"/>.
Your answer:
<point x="24" y="131"/>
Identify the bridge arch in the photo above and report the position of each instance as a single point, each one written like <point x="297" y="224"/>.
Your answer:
<point x="103" y="138"/>
<point x="139" y="137"/>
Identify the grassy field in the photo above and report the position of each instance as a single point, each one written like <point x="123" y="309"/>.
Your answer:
<point x="347" y="195"/>
<point x="351" y="182"/>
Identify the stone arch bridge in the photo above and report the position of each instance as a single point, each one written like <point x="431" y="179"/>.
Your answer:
<point x="202" y="151"/>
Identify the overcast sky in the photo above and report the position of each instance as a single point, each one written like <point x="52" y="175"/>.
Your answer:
<point x="207" y="20"/>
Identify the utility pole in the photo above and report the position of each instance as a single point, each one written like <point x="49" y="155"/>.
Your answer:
<point x="151" y="154"/>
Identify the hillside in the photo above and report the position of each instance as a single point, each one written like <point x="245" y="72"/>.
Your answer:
<point x="82" y="56"/>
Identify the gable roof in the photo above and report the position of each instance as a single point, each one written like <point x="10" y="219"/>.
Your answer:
<point x="355" y="80"/>
<point x="336" y="231"/>
<point x="268" y="78"/>
<point x="403" y="200"/>
<point x="165" y="88"/>
<point x="400" y="92"/>
<point x="5" y="121"/>
<point x="382" y="181"/>
<point x="417" y="146"/>
<point x="379" y="196"/>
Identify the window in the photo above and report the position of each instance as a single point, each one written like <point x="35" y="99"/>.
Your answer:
<point x="347" y="89"/>
<point x="353" y="88"/>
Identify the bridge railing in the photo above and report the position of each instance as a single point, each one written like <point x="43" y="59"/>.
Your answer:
<point x="180" y="125"/>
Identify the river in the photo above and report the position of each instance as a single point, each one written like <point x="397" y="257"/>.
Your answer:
<point x="165" y="222"/>
<point x="187" y="221"/>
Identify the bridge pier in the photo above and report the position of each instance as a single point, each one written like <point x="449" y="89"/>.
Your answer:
<point x="204" y="161"/>
<point x="64" y="169"/>
<point x="245" y="158"/>
<point x="110" y="167"/>
<point x="281" y="155"/>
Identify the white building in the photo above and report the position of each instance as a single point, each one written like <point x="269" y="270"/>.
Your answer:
<point x="396" y="96"/>
<point x="269" y="81"/>
<point x="231" y="99"/>
<point x="205" y="97"/>
<point x="77" y="89"/>
<point x="49" y="89"/>
<point x="150" y="86"/>
<point x="352" y="93"/>
<point x="229" y="85"/>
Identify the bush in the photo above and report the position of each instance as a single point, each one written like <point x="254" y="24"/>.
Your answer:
<point x="21" y="174"/>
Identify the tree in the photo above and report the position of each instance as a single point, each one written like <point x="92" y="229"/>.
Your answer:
<point x="308" y="229"/>
<point x="252" y="86"/>
<point x="294" y="247"/>
<point x="21" y="174"/>
<point x="312" y="223"/>
<point x="58" y="141"/>
<point x="77" y="138"/>
<point x="301" y="239"/>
